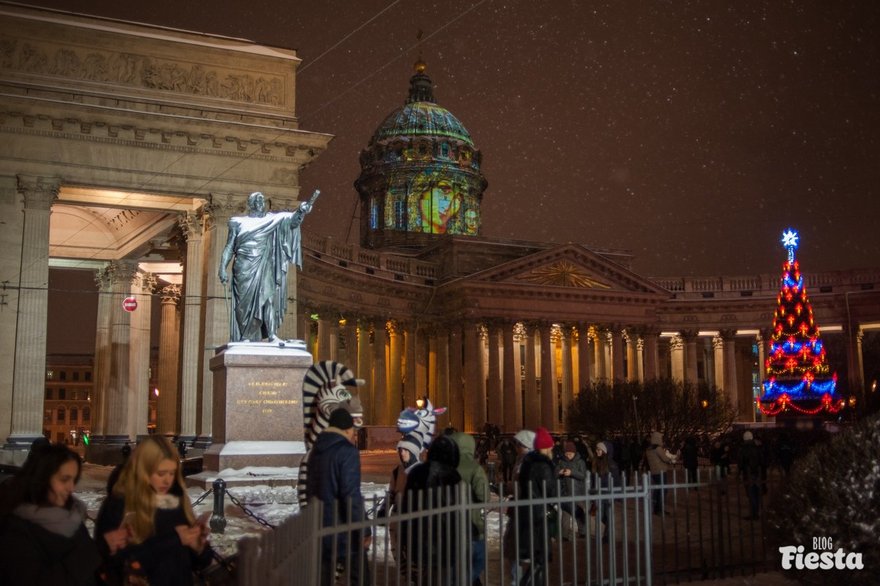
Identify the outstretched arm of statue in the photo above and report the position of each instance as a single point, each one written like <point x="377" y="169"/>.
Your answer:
<point x="227" y="252"/>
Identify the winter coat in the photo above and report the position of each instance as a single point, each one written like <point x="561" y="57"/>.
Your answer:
<point x="162" y="557"/>
<point x="690" y="454"/>
<point x="752" y="465"/>
<point x="575" y="483"/>
<point x="605" y="470"/>
<point x="32" y="555"/>
<point x="430" y="485"/>
<point x="335" y="480"/>
<point x="659" y="459"/>
<point x="536" y="480"/>
<point x="475" y="477"/>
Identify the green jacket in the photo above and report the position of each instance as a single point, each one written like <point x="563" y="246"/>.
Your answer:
<point x="475" y="477"/>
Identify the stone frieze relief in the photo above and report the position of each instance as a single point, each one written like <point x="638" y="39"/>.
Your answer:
<point x="139" y="71"/>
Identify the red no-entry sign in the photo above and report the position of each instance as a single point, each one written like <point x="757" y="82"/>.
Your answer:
<point x="129" y="304"/>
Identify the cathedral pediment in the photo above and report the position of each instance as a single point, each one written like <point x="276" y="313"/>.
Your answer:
<point x="569" y="266"/>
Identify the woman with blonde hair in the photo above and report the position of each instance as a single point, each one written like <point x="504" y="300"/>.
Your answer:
<point x="146" y="529"/>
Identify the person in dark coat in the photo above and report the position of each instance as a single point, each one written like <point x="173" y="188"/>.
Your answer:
<point x="335" y="480"/>
<point x="607" y="476"/>
<point x="690" y="458"/>
<point x="507" y="451"/>
<point x="430" y="485"/>
<point x="572" y="472"/>
<point x="753" y="473"/>
<point x="43" y="541"/>
<point x="534" y="522"/>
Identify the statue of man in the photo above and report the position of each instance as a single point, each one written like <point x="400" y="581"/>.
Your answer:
<point x="262" y="245"/>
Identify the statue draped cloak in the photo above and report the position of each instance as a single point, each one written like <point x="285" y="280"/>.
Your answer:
<point x="264" y="248"/>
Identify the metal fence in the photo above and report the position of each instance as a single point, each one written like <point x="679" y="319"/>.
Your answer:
<point x="619" y="537"/>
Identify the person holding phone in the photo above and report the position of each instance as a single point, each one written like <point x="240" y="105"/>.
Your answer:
<point x="146" y="529"/>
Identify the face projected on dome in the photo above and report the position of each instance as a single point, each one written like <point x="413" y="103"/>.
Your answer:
<point x="437" y="197"/>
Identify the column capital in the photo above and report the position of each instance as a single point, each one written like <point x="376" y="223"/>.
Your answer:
<point x="727" y="334"/>
<point x="170" y="294"/>
<point x="147" y="281"/>
<point x="39" y="192"/>
<point x="717" y="342"/>
<point x="676" y="342"/>
<point x="222" y="206"/>
<point x="192" y="224"/>
<point x="689" y="335"/>
<point x="117" y="271"/>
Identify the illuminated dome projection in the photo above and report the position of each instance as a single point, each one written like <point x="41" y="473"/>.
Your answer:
<point x="798" y="377"/>
<point x="420" y="174"/>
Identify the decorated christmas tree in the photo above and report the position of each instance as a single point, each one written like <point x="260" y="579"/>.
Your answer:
<point x="797" y="376"/>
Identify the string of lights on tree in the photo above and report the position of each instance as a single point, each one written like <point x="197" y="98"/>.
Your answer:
<point x="797" y="376"/>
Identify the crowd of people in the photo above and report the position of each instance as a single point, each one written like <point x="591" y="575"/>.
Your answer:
<point x="145" y="532"/>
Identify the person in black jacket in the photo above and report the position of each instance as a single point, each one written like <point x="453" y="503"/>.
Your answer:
<point x="430" y="485"/>
<point x="335" y="480"/>
<point x="534" y="522"/>
<point x="146" y="529"/>
<point x="43" y="540"/>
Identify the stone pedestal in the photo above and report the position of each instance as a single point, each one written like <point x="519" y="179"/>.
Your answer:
<point x="258" y="411"/>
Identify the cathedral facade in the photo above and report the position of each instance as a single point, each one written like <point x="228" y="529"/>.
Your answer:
<point x="125" y="150"/>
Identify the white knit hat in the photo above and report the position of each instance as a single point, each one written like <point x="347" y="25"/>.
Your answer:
<point x="526" y="438"/>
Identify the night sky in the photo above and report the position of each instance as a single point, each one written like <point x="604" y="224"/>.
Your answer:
<point x="691" y="133"/>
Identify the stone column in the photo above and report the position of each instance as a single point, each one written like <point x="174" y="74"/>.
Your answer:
<point x="169" y="352"/>
<point x="651" y="354"/>
<point x="718" y="354"/>
<point x="567" y="374"/>
<point x="349" y="338"/>
<point x="333" y="341"/>
<point x="631" y="356"/>
<point x="730" y="382"/>
<point x="395" y="367"/>
<point x="365" y="370"/>
<point x="411" y="390"/>
<point x="456" y="378"/>
<point x="855" y="362"/>
<point x="512" y="399"/>
<point x="762" y="339"/>
<point x="617" y="371"/>
<point x="381" y="398"/>
<point x="548" y="380"/>
<point x="103" y="347"/>
<point x="676" y="357"/>
<point x="599" y="350"/>
<point x="443" y="377"/>
<point x="191" y="369"/>
<point x="29" y="376"/>
<point x="431" y="366"/>
<point x="584" y="360"/>
<point x="640" y="359"/>
<point x="121" y="403"/>
<point x="495" y="412"/>
<point x="139" y="372"/>
<point x="532" y="405"/>
<point x="217" y="303"/>
<point x="323" y="352"/>
<point x="690" y="355"/>
<point x="475" y="385"/>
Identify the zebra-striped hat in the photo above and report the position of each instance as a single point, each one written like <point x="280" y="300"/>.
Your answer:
<point x="407" y="421"/>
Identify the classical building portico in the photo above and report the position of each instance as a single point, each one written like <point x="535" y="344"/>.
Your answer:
<point x="126" y="149"/>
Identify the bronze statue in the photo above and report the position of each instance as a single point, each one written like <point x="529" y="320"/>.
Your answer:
<point x="261" y="245"/>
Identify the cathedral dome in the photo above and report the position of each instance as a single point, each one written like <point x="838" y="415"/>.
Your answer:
<point x="420" y="174"/>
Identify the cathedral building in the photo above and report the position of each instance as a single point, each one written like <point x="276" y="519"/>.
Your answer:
<point x="125" y="150"/>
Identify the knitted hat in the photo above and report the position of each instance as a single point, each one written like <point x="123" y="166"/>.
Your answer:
<point x="601" y="447"/>
<point x="341" y="419"/>
<point x="411" y="444"/>
<point x="569" y="447"/>
<point x="747" y="436"/>
<point x="525" y="438"/>
<point x="543" y="440"/>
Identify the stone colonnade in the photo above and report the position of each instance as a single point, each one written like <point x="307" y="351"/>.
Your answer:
<point x="495" y="371"/>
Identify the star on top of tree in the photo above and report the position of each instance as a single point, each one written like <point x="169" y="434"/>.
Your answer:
<point x="790" y="239"/>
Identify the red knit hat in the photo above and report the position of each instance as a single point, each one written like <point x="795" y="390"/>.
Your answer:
<point x="543" y="439"/>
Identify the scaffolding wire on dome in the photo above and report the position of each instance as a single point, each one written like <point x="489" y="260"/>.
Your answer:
<point x="797" y="376"/>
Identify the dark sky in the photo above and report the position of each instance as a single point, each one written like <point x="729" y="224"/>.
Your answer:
<point x="691" y="133"/>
